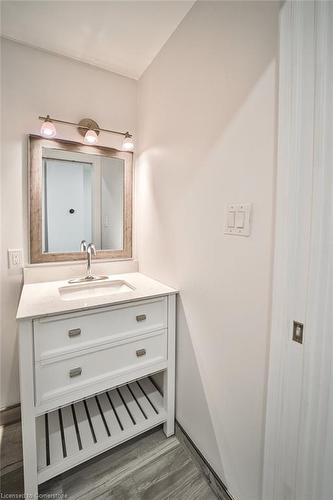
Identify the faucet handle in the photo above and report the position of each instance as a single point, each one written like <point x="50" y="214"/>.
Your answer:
<point x="91" y="248"/>
<point x="83" y="246"/>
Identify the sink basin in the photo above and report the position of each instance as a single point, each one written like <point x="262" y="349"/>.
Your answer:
<point x="94" y="289"/>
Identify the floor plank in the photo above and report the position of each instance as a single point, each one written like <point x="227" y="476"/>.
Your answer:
<point x="11" y="448"/>
<point x="149" y="467"/>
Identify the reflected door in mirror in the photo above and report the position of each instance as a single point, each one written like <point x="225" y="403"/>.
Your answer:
<point x="67" y="210"/>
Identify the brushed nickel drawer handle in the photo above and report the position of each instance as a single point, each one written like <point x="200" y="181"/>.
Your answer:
<point x="141" y="352"/>
<point x="75" y="372"/>
<point x="74" y="332"/>
<point x="141" y="317"/>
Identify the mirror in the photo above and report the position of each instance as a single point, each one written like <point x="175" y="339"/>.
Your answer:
<point x="77" y="193"/>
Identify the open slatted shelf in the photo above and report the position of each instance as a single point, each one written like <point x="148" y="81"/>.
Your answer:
<point x="75" y="433"/>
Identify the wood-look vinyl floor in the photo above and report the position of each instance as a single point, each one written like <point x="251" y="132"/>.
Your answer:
<point x="149" y="467"/>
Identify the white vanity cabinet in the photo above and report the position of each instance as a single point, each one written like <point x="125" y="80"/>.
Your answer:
<point x="86" y="382"/>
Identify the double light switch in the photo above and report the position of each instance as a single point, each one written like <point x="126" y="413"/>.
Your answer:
<point x="238" y="219"/>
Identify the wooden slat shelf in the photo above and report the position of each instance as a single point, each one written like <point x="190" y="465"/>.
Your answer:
<point x="71" y="435"/>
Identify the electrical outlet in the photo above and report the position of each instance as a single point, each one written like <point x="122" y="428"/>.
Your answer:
<point x="15" y="258"/>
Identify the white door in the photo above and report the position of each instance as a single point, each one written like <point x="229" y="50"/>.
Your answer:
<point x="298" y="462"/>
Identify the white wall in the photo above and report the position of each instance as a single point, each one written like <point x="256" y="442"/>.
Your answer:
<point x="207" y="136"/>
<point x="36" y="83"/>
<point x="112" y="182"/>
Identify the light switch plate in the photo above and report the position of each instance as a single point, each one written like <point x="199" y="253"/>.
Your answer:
<point x="15" y="258"/>
<point x="240" y="213"/>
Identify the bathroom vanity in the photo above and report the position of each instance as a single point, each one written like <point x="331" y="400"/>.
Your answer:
<point x="87" y="355"/>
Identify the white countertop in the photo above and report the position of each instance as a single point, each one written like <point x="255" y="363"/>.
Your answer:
<point x="44" y="299"/>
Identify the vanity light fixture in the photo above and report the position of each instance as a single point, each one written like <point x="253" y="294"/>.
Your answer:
<point x="87" y="127"/>
<point x="48" y="129"/>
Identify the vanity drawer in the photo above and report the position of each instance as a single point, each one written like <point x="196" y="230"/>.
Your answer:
<point x="59" y="379"/>
<point x="60" y="335"/>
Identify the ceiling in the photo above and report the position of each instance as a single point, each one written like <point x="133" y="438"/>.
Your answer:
<point x="117" y="35"/>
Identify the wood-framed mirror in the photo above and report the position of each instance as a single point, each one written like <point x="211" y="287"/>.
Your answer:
<point x="79" y="192"/>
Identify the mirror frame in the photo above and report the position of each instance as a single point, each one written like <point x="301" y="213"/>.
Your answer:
<point x="36" y="145"/>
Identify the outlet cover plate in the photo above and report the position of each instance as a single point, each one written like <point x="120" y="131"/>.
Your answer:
<point x="15" y="258"/>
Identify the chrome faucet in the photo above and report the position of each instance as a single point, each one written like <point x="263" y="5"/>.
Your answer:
<point x="90" y="250"/>
<point x="83" y="246"/>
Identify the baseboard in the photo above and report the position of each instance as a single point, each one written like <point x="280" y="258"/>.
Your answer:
<point x="10" y="415"/>
<point x="219" y="488"/>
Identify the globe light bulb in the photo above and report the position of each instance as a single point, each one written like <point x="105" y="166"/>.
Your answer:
<point x="90" y="137"/>
<point x="128" y="143"/>
<point x="48" y="129"/>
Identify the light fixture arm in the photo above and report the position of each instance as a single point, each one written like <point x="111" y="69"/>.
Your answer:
<point x="48" y="118"/>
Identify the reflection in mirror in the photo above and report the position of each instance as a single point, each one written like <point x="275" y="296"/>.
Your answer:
<point x="82" y="200"/>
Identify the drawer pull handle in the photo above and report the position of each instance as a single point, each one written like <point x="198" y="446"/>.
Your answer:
<point x="141" y="352"/>
<point x="75" y="372"/>
<point x="74" y="333"/>
<point x="141" y="317"/>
